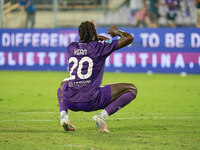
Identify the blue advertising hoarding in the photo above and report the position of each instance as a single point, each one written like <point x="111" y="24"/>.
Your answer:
<point x="163" y="50"/>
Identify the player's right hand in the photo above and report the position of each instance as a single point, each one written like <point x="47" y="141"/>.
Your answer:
<point x="113" y="31"/>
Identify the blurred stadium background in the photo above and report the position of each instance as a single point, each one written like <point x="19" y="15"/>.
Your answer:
<point x="69" y="13"/>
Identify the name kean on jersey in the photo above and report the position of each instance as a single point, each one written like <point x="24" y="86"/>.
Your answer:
<point x="80" y="52"/>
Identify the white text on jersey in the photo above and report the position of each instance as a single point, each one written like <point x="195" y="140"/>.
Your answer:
<point x="80" y="52"/>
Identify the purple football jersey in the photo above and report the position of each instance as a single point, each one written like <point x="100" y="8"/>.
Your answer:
<point x="86" y="68"/>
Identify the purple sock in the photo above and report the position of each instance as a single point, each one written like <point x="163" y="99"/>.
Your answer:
<point x="61" y="101"/>
<point x="120" y="102"/>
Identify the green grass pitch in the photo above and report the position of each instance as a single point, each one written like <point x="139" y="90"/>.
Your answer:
<point x="165" y="114"/>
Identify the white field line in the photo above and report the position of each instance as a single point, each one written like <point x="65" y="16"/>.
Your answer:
<point x="132" y="118"/>
<point x="71" y="145"/>
<point x="27" y="113"/>
<point x="52" y="112"/>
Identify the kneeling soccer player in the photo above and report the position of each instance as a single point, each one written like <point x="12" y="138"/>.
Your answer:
<point x="82" y="91"/>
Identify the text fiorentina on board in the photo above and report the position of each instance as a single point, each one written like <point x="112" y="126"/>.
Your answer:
<point x="117" y="59"/>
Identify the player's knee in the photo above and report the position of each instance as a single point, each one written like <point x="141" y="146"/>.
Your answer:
<point x="133" y="89"/>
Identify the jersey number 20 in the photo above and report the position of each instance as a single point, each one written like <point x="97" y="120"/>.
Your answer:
<point x="80" y="66"/>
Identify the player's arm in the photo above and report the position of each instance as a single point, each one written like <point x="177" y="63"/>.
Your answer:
<point x="125" y="38"/>
<point x="102" y="38"/>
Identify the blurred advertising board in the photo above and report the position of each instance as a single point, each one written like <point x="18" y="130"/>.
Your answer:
<point x="162" y="50"/>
